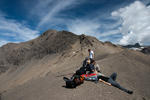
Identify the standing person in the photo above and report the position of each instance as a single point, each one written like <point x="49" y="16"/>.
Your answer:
<point x="91" y="54"/>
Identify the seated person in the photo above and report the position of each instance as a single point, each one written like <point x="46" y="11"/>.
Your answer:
<point x="84" y="68"/>
<point x="88" y="65"/>
<point x="91" y="74"/>
<point x="91" y="67"/>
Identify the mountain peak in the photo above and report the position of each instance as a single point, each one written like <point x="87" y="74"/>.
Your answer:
<point x="49" y="43"/>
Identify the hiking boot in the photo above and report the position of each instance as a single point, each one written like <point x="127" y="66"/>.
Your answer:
<point x="130" y="92"/>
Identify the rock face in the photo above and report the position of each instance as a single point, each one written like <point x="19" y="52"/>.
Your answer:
<point x="146" y="50"/>
<point x="33" y="70"/>
<point x="48" y="43"/>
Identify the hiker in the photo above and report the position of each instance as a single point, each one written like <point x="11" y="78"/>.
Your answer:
<point x="91" y="54"/>
<point x="92" y="67"/>
<point x="78" y="78"/>
<point x="112" y="82"/>
<point x="91" y="72"/>
<point x="82" y="70"/>
<point x="94" y="75"/>
<point x="74" y="81"/>
<point x="88" y="64"/>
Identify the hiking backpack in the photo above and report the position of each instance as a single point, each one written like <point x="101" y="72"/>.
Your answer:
<point x="75" y="81"/>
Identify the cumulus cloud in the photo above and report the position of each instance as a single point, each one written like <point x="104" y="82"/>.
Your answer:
<point x="102" y="31"/>
<point x="14" y="31"/>
<point x="135" y="25"/>
<point x="87" y="27"/>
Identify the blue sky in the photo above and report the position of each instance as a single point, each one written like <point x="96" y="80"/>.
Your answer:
<point x="119" y="21"/>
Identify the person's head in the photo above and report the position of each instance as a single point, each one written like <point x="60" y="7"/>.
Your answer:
<point x="88" y="61"/>
<point x="93" y="62"/>
<point x="89" y="50"/>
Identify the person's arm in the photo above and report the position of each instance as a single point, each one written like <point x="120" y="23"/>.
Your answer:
<point x="105" y="82"/>
<point x="92" y="67"/>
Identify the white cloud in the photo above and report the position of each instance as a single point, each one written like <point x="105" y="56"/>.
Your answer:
<point x="135" y="23"/>
<point x="2" y="42"/>
<point x="109" y="33"/>
<point x="93" y="28"/>
<point x="87" y="27"/>
<point x="50" y="9"/>
<point x="40" y="8"/>
<point x="12" y="31"/>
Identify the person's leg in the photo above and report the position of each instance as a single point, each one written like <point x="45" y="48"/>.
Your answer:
<point x="113" y="76"/>
<point x="117" y="85"/>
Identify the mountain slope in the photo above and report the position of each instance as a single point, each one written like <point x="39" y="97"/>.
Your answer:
<point x="46" y="59"/>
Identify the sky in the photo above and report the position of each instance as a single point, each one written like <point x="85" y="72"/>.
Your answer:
<point x="119" y="21"/>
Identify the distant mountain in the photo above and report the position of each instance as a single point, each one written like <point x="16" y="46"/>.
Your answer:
<point x="136" y="45"/>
